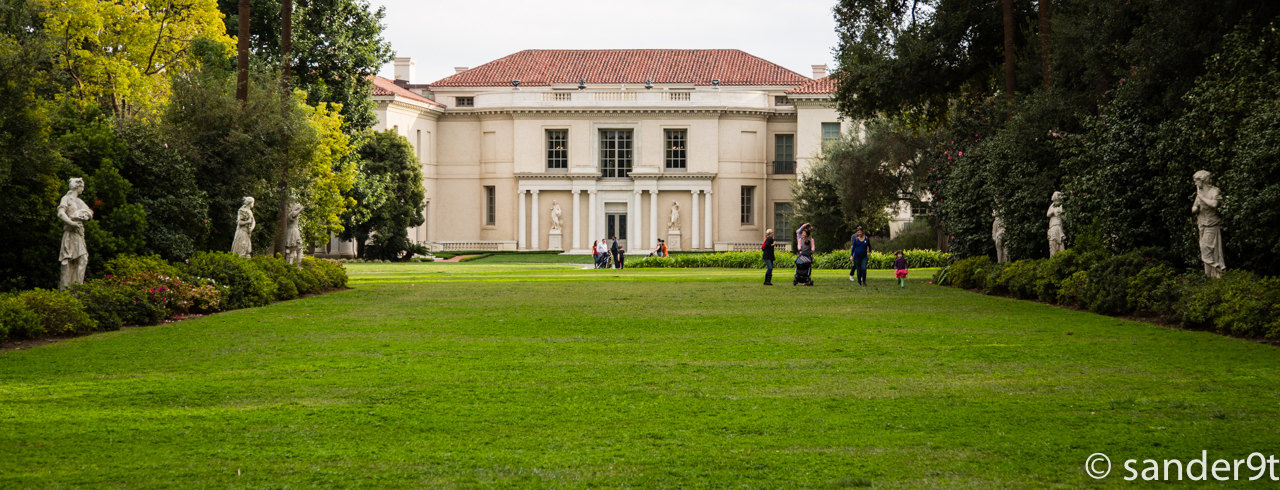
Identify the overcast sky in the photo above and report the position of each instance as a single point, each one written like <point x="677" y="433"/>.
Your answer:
<point x="440" y="35"/>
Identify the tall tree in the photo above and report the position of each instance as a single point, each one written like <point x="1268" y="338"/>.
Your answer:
<point x="336" y="46"/>
<point x="242" y="53"/>
<point x="122" y="54"/>
<point x="1010" y="80"/>
<point x="391" y="195"/>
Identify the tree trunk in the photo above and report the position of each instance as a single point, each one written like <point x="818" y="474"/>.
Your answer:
<point x="1008" y="53"/>
<point x="286" y="63"/>
<point x="286" y="43"/>
<point x="242" y="54"/>
<point x="1043" y="7"/>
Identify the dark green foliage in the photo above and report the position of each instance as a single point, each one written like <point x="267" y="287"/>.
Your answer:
<point x="131" y="265"/>
<point x="1156" y="290"/>
<point x="337" y="45"/>
<point x="248" y="285"/>
<point x="29" y="161"/>
<point x="165" y="186"/>
<point x="970" y="273"/>
<point x="60" y="313"/>
<point x="1239" y="304"/>
<point x="855" y="179"/>
<point x="283" y="274"/>
<point x="390" y="197"/>
<point x="16" y="320"/>
<point x="113" y="304"/>
<point x="1138" y="96"/>
<point x="330" y="273"/>
<point x="916" y="235"/>
<point x="1017" y="279"/>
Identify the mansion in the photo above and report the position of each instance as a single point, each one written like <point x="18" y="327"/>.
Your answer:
<point x="553" y="149"/>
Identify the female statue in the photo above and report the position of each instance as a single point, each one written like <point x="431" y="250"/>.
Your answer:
<point x="1057" y="239"/>
<point x="241" y="245"/>
<point x="1209" y="224"/>
<point x="73" y="254"/>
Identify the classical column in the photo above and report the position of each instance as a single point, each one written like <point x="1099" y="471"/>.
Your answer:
<point x="520" y="220"/>
<point x="693" y="214"/>
<point x="633" y="224"/>
<point x="533" y="239"/>
<point x="591" y="217"/>
<point x="706" y="220"/>
<point x="653" y="219"/>
<point x="577" y="222"/>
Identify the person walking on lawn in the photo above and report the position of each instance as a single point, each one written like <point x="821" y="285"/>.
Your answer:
<point x="766" y="250"/>
<point x="859" y="248"/>
<point x="900" y="269"/>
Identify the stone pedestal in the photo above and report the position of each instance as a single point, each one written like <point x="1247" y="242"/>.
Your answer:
<point x="673" y="240"/>
<point x="554" y="241"/>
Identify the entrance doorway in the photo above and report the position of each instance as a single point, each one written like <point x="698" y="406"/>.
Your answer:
<point x="616" y="226"/>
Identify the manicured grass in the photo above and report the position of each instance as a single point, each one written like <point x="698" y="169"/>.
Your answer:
<point x="533" y="259"/>
<point x="429" y="375"/>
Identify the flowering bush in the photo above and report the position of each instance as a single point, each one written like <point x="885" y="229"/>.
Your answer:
<point x="246" y="284"/>
<point x="114" y="304"/>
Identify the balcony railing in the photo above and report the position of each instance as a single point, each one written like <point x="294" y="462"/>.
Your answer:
<point x="784" y="167"/>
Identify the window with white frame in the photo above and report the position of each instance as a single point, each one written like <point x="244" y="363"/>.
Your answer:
<point x="464" y="101"/>
<point x="490" y="205"/>
<point x="748" y="204"/>
<point x="615" y="153"/>
<point x="830" y="131"/>
<point x="557" y="148"/>
<point x="677" y="149"/>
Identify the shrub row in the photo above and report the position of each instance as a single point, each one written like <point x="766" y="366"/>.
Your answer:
<point x="1239" y="304"/>
<point x="146" y="290"/>
<point x="786" y="260"/>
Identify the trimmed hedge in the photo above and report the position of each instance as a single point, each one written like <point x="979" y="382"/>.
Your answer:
<point x="59" y="312"/>
<point x="786" y="260"/>
<point x="16" y="320"/>
<point x="1239" y="304"/>
<point x="248" y="285"/>
<point x="146" y="290"/>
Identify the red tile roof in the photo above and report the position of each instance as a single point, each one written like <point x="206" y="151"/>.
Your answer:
<point x="543" y="67"/>
<point x="824" y="85"/>
<point x="385" y="87"/>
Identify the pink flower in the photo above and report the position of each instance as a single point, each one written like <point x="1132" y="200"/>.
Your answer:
<point x="962" y="153"/>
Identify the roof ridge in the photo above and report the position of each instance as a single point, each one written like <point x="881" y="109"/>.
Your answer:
<point x="544" y="67"/>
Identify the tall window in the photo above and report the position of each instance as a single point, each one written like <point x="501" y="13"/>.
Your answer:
<point x="465" y="101"/>
<point x="557" y="148"/>
<point x="677" y="152"/>
<point x="784" y="153"/>
<point x="615" y="152"/>
<point x="490" y="205"/>
<point x="782" y="227"/>
<point x="830" y="131"/>
<point x="748" y="204"/>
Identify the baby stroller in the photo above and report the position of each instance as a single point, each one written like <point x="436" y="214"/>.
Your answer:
<point x="804" y="265"/>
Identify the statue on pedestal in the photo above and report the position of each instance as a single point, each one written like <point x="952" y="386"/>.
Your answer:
<point x="241" y="245"/>
<point x="997" y="235"/>
<point x="674" y="222"/>
<point x="556" y="215"/>
<point x="293" y="236"/>
<point x="73" y="254"/>
<point x="1057" y="238"/>
<point x="1209" y="224"/>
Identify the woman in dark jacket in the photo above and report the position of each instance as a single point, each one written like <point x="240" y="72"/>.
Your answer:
<point x="766" y="251"/>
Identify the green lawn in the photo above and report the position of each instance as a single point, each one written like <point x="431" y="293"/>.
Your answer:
<point x="429" y="375"/>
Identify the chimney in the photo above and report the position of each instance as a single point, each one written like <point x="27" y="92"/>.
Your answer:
<point x="404" y="69"/>
<point x="460" y="69"/>
<point x="819" y="71"/>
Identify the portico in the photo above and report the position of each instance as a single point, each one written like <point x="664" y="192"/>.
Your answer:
<point x="606" y="200"/>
